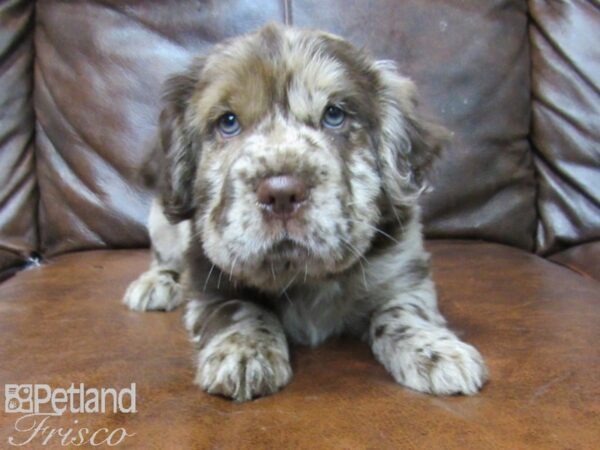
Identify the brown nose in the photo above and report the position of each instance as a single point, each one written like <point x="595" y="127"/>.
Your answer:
<point x="282" y="195"/>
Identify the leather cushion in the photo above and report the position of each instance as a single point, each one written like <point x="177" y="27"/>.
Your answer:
<point x="536" y="323"/>
<point x="566" y="121"/>
<point x="18" y="190"/>
<point x="470" y="60"/>
<point x="583" y="258"/>
<point x="99" y="68"/>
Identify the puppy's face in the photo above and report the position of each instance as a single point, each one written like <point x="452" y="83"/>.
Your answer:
<point x="289" y="149"/>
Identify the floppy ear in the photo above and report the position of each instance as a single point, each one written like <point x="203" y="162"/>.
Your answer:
<point x="178" y="146"/>
<point x="409" y="143"/>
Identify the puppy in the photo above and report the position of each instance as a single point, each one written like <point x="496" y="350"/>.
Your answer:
<point x="288" y="170"/>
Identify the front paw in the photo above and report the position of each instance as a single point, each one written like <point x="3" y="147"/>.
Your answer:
<point x="435" y="362"/>
<point x="154" y="290"/>
<point x="243" y="368"/>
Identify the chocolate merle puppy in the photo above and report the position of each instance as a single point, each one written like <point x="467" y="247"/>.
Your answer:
<point x="288" y="171"/>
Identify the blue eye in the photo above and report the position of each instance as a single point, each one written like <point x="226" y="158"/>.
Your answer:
<point x="333" y="117"/>
<point x="229" y="125"/>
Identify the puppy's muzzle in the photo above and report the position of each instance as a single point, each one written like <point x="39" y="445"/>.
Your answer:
<point x="282" y="196"/>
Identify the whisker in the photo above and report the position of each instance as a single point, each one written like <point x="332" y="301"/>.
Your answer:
<point x="219" y="280"/>
<point x="233" y="266"/>
<point x="377" y="230"/>
<point x="397" y="218"/>
<point x="354" y="250"/>
<point x="284" y="291"/>
<point x="208" y="277"/>
<point x="362" y="267"/>
<point x="288" y="297"/>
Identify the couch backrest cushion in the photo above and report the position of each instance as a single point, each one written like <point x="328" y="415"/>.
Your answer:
<point x="99" y="67"/>
<point x="18" y="194"/>
<point x="470" y="60"/>
<point x="565" y="42"/>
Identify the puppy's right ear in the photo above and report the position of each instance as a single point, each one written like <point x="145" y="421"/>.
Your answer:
<point x="179" y="144"/>
<point x="410" y="143"/>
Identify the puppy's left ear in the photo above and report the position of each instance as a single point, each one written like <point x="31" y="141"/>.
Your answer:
<point x="409" y="142"/>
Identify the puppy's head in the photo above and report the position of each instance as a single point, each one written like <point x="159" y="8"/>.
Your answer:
<point x="289" y="148"/>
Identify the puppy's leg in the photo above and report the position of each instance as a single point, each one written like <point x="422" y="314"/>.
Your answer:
<point x="242" y="349"/>
<point x="159" y="287"/>
<point x="409" y="337"/>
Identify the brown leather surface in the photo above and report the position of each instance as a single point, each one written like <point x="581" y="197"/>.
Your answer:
<point x="18" y="194"/>
<point x="583" y="258"/>
<point x="536" y="323"/>
<point x="470" y="60"/>
<point x="99" y="68"/>
<point x="566" y="120"/>
<point x="100" y="64"/>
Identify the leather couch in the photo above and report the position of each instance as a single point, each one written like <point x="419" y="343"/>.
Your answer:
<point x="513" y="223"/>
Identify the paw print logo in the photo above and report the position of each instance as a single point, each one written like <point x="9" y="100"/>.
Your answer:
<point x="18" y="398"/>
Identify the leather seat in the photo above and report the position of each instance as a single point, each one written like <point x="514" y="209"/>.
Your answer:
<point x="536" y="323"/>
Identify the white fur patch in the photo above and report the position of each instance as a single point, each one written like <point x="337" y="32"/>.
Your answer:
<point x="410" y="339"/>
<point x="154" y="290"/>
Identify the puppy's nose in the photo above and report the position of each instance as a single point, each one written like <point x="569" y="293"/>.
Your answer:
<point x="282" y="195"/>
